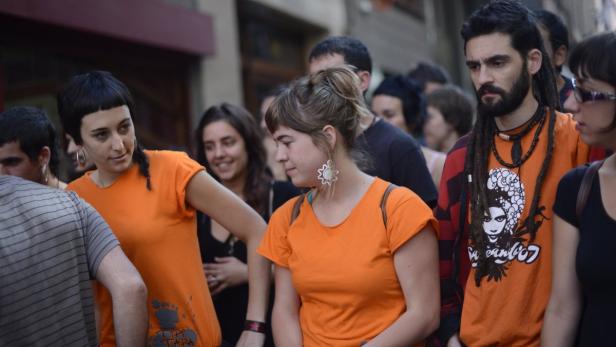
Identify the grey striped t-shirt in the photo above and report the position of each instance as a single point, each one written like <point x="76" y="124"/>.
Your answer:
<point x="51" y="244"/>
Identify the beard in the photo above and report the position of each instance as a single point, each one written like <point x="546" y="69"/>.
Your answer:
<point x="509" y="100"/>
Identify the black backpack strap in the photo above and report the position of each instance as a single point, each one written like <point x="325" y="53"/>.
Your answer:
<point x="296" y="207"/>
<point x="388" y="190"/>
<point x="582" y="196"/>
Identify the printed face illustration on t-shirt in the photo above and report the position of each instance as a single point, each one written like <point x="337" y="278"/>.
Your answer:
<point x="505" y="241"/>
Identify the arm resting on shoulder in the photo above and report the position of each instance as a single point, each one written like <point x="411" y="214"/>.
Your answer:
<point x="129" y="296"/>
<point x="416" y="264"/>
<point x="285" y="316"/>
<point x="563" y="312"/>
<point x="226" y="208"/>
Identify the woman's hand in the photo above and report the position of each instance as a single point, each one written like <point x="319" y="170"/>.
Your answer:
<point x="224" y="273"/>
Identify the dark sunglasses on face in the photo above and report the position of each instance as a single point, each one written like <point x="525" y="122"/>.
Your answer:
<point x="583" y="95"/>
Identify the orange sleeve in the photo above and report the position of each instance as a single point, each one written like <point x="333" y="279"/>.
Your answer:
<point x="274" y="245"/>
<point x="185" y="168"/>
<point x="407" y="215"/>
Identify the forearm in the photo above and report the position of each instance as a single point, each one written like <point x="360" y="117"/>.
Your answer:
<point x="410" y="328"/>
<point x="130" y="315"/>
<point x="560" y="323"/>
<point x="286" y="327"/>
<point x="259" y="274"/>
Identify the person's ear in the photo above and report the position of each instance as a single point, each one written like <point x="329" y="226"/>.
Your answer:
<point x="560" y="55"/>
<point x="534" y="60"/>
<point x="364" y="77"/>
<point x="330" y="135"/>
<point x="44" y="156"/>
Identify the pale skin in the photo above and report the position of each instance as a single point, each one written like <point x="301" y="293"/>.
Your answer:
<point x="128" y="294"/>
<point x="491" y="59"/>
<point x="109" y="138"/>
<point x="416" y="262"/>
<point x="564" y="308"/>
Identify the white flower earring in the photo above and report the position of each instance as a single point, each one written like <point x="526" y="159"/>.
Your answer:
<point x="328" y="174"/>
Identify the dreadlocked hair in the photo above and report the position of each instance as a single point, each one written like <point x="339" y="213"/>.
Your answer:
<point x="514" y="19"/>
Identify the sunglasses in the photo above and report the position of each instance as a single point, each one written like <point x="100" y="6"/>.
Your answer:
<point x="582" y="95"/>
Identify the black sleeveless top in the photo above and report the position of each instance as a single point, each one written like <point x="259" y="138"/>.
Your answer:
<point x="230" y="304"/>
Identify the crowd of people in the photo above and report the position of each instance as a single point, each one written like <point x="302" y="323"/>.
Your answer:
<point x="422" y="218"/>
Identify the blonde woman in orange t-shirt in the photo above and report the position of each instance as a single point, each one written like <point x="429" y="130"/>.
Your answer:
<point x="348" y="271"/>
<point x="149" y="199"/>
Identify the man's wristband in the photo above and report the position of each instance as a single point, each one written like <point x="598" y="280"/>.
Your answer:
<point x="257" y="327"/>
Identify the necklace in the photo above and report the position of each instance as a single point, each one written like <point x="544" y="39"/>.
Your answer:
<point x="517" y="158"/>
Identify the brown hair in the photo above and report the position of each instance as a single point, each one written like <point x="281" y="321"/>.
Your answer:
<point x="329" y="97"/>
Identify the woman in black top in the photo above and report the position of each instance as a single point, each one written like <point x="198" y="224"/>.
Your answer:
<point x="583" y="299"/>
<point x="230" y="146"/>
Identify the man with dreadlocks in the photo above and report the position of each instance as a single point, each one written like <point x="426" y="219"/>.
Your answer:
<point x="499" y="184"/>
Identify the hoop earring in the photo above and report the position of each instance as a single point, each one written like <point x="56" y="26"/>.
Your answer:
<point x="45" y="175"/>
<point x="328" y="174"/>
<point x="81" y="156"/>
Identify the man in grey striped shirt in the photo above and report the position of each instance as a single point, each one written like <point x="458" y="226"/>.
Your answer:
<point x="51" y="245"/>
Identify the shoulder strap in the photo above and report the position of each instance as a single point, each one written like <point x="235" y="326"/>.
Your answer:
<point x="388" y="190"/>
<point x="582" y="196"/>
<point x="296" y="208"/>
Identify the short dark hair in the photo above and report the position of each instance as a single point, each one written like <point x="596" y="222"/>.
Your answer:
<point x="595" y="57"/>
<point x="89" y="93"/>
<point x="92" y="92"/>
<point x="426" y="72"/>
<point x="351" y="49"/>
<point x="516" y="20"/>
<point x="559" y="34"/>
<point x="410" y="94"/>
<point x="33" y="130"/>
<point x="455" y="106"/>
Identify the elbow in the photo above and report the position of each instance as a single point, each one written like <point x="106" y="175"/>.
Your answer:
<point x="133" y="288"/>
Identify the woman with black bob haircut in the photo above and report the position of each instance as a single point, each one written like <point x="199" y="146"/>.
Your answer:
<point x="149" y="199"/>
<point x="582" y="302"/>
<point x="230" y="144"/>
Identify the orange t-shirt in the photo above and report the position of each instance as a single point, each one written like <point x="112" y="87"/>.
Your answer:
<point x="508" y="307"/>
<point x="344" y="274"/>
<point x="157" y="231"/>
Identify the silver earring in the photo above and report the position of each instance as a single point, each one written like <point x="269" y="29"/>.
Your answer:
<point x="81" y="156"/>
<point x="45" y="176"/>
<point x="328" y="174"/>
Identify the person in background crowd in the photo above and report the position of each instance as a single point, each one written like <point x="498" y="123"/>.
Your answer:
<point x="400" y="101"/>
<point x="555" y="37"/>
<point x="429" y="76"/>
<point x="149" y="199"/>
<point x="395" y="156"/>
<point x="270" y="146"/>
<point x="450" y="116"/>
<point x="79" y="158"/>
<point x="584" y="277"/>
<point x="29" y="147"/>
<point x="356" y="261"/>
<point x="229" y="144"/>
<point x="51" y="244"/>
<point x="495" y="277"/>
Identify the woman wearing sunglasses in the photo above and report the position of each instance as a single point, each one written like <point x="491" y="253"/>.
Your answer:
<point x="580" y="312"/>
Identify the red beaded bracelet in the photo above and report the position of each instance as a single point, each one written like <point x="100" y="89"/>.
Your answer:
<point x="252" y="325"/>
